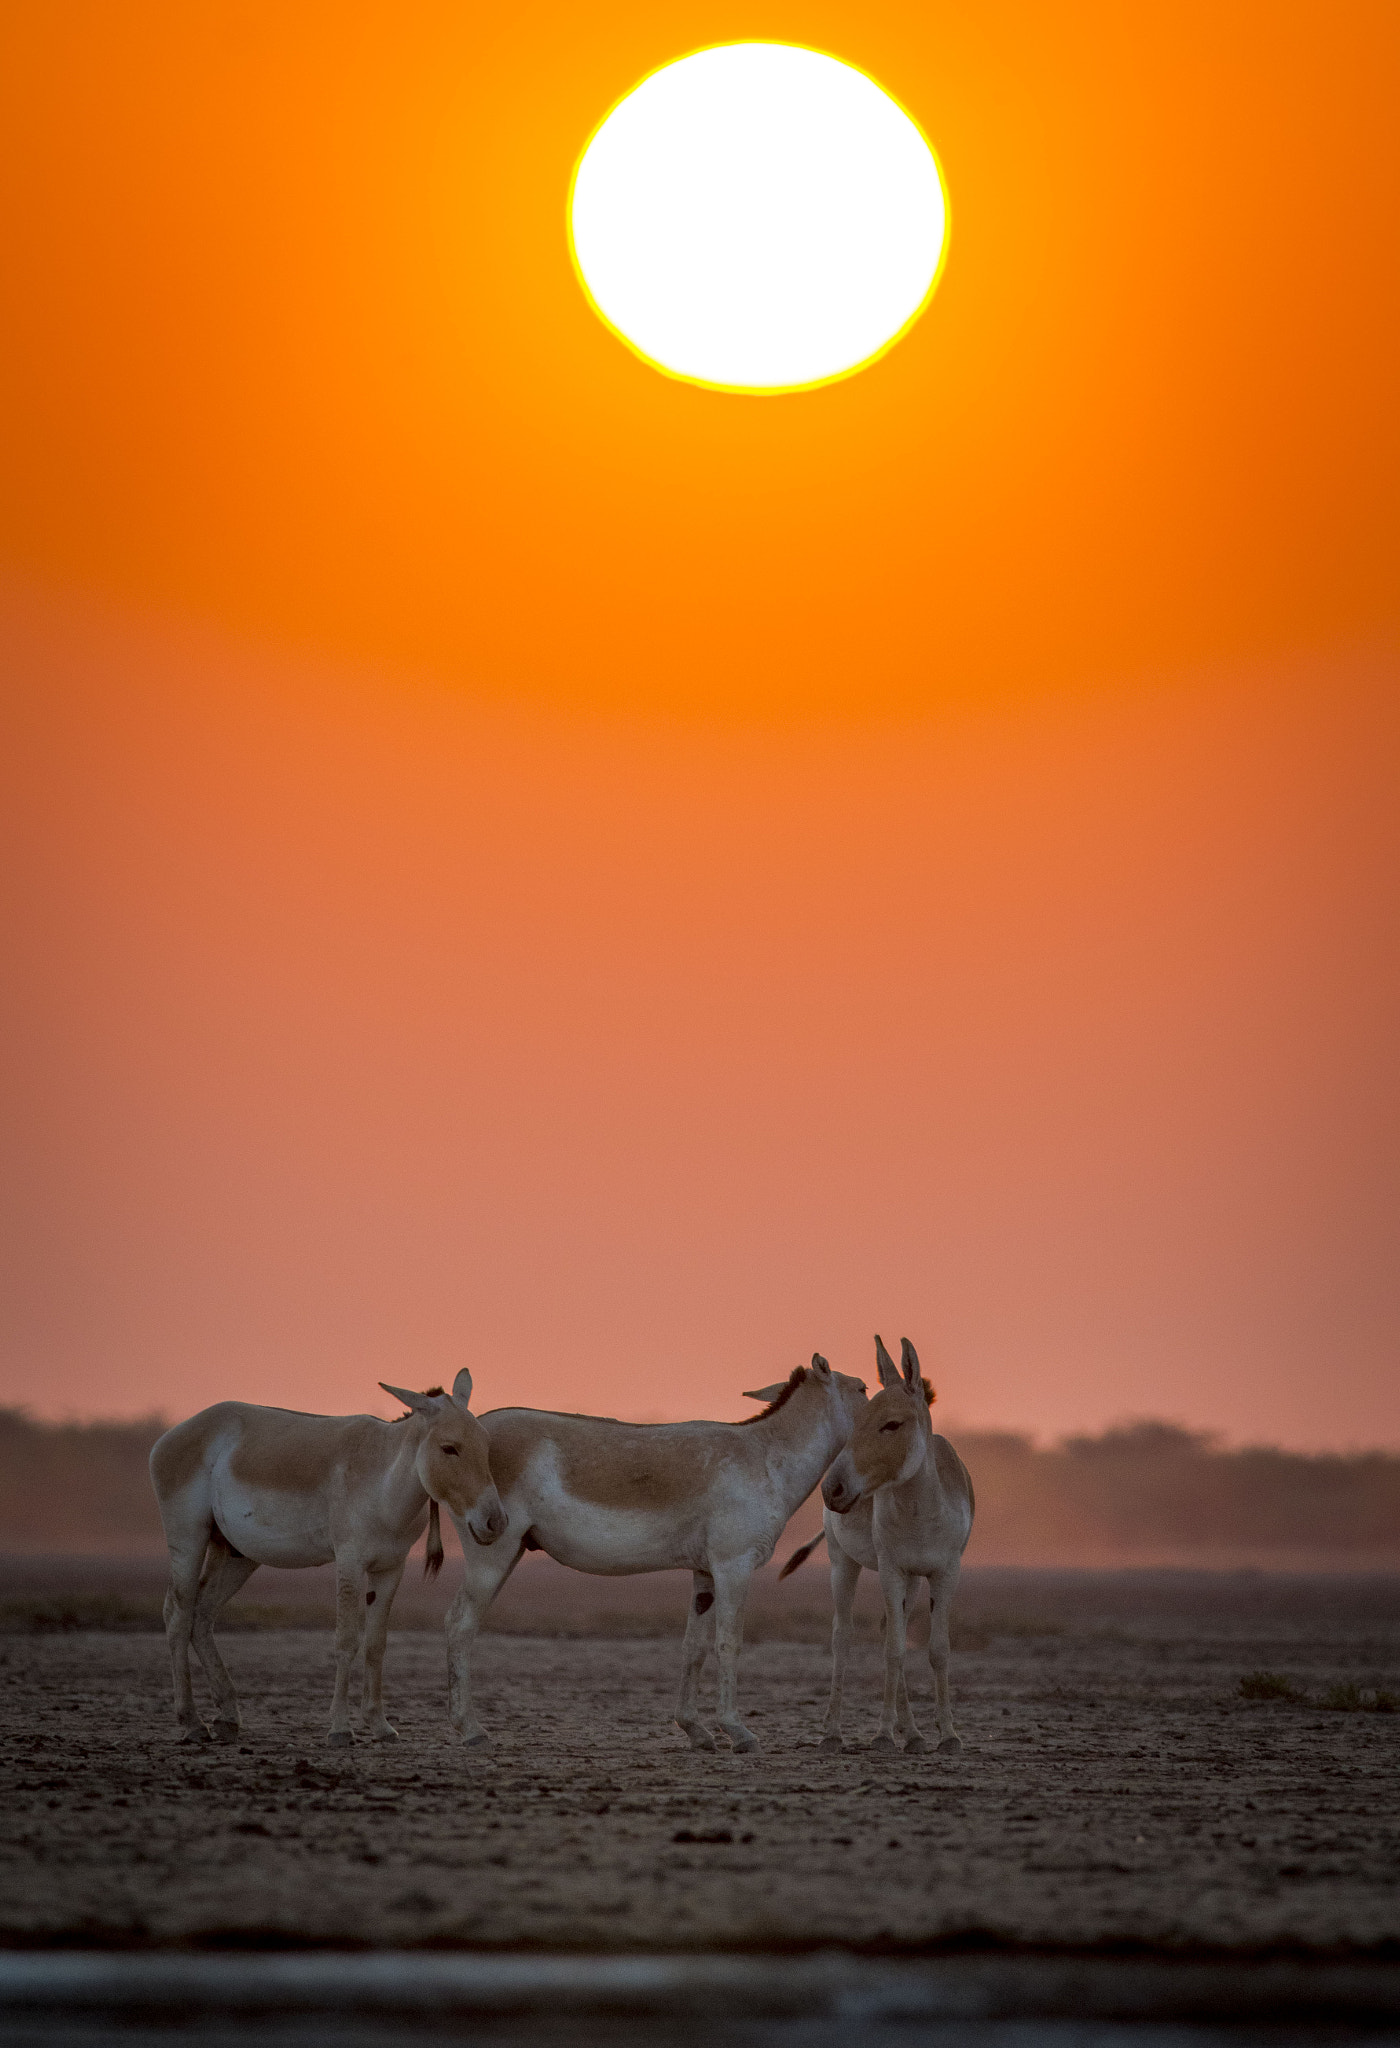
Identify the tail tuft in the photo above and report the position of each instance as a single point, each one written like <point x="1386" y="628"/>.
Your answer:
<point x="432" y="1555"/>
<point x="800" y="1557"/>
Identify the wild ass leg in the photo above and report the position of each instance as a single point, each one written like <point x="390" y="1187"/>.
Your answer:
<point x="904" y="1713"/>
<point x="845" y="1576"/>
<point x="349" y="1612"/>
<point x="224" y="1574"/>
<point x="908" y="1727"/>
<point x="699" y="1636"/>
<point x="484" y="1575"/>
<point x="895" y="1590"/>
<point x="379" y="1598"/>
<point x="186" y="1557"/>
<point x="731" y="1588"/>
<point x="940" y="1602"/>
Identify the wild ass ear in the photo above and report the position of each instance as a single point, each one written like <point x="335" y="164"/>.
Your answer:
<point x="909" y="1359"/>
<point x="765" y="1393"/>
<point x="885" y="1365"/>
<point x="421" y="1404"/>
<point x="462" y="1388"/>
<point x="820" y="1366"/>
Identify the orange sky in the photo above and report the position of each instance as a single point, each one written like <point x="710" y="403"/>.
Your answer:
<point x="517" y="858"/>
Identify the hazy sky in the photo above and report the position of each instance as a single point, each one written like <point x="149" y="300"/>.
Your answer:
<point x="511" y="859"/>
<point x="359" y="1029"/>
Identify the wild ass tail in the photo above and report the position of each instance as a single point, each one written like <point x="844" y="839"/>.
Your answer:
<point x="432" y="1555"/>
<point x="800" y="1557"/>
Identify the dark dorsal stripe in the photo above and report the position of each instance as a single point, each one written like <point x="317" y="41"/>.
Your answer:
<point x="799" y="1373"/>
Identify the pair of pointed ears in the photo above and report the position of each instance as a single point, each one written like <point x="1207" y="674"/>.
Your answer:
<point x="910" y="1379"/>
<point x="819" y="1367"/>
<point x="431" y="1404"/>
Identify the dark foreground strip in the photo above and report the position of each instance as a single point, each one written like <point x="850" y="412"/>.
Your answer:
<point x="422" y="1991"/>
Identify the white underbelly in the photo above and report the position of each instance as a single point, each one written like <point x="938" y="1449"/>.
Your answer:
<point x="924" y="1564"/>
<point x="271" y="1527"/>
<point x="613" y="1542"/>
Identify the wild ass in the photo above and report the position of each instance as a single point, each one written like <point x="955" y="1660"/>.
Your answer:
<point x="239" y="1486"/>
<point x="899" y="1502"/>
<point x="619" y="1497"/>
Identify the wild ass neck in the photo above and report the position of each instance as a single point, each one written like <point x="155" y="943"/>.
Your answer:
<point x="802" y="1437"/>
<point x="401" y="1495"/>
<point x="915" y="1499"/>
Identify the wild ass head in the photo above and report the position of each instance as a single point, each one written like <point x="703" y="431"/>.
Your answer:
<point x="843" y="1391"/>
<point x="891" y="1437"/>
<point x="453" y="1460"/>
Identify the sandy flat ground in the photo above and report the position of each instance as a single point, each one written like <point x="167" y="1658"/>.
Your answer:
<point x="1114" y="1788"/>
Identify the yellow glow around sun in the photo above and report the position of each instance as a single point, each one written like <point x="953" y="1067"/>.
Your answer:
<point x="758" y="217"/>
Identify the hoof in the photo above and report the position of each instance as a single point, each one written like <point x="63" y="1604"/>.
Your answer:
<point x="476" y="1741"/>
<point x="831" y="1743"/>
<point x="224" y="1731"/>
<point x="384" y="1734"/>
<point x="340" y="1738"/>
<point x="951" y="1745"/>
<point x="698" y="1737"/>
<point x="915" y="1746"/>
<point x="199" y="1733"/>
<point x="883" y="1745"/>
<point x="742" y="1744"/>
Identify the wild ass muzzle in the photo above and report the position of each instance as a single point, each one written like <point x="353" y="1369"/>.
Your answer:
<point x="898" y="1502"/>
<point x="614" y="1498"/>
<point x="239" y="1486"/>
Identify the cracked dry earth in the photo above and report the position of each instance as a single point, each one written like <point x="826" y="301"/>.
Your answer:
<point x="1112" y="1788"/>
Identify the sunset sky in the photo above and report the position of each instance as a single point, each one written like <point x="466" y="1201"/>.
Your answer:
<point x="510" y="859"/>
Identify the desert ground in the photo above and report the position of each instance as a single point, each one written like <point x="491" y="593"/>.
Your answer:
<point x="1115" y="1790"/>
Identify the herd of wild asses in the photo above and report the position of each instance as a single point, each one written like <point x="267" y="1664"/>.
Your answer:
<point x="241" y="1486"/>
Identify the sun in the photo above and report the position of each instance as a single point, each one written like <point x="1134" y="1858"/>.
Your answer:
<point x="759" y="218"/>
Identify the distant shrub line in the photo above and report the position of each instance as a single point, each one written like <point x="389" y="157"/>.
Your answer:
<point x="1155" y="1488"/>
<point x="1345" y="1697"/>
<point x="1149" y="1490"/>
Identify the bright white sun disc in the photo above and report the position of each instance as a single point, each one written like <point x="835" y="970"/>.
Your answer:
<point x="758" y="216"/>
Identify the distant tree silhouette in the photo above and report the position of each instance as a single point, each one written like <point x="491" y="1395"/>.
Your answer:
<point x="1146" y="1492"/>
<point x="77" y="1486"/>
<point x="1153" y="1491"/>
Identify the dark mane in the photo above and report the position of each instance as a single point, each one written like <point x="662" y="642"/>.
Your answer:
<point x="408" y="1411"/>
<point x="799" y="1373"/>
<point x="930" y="1396"/>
